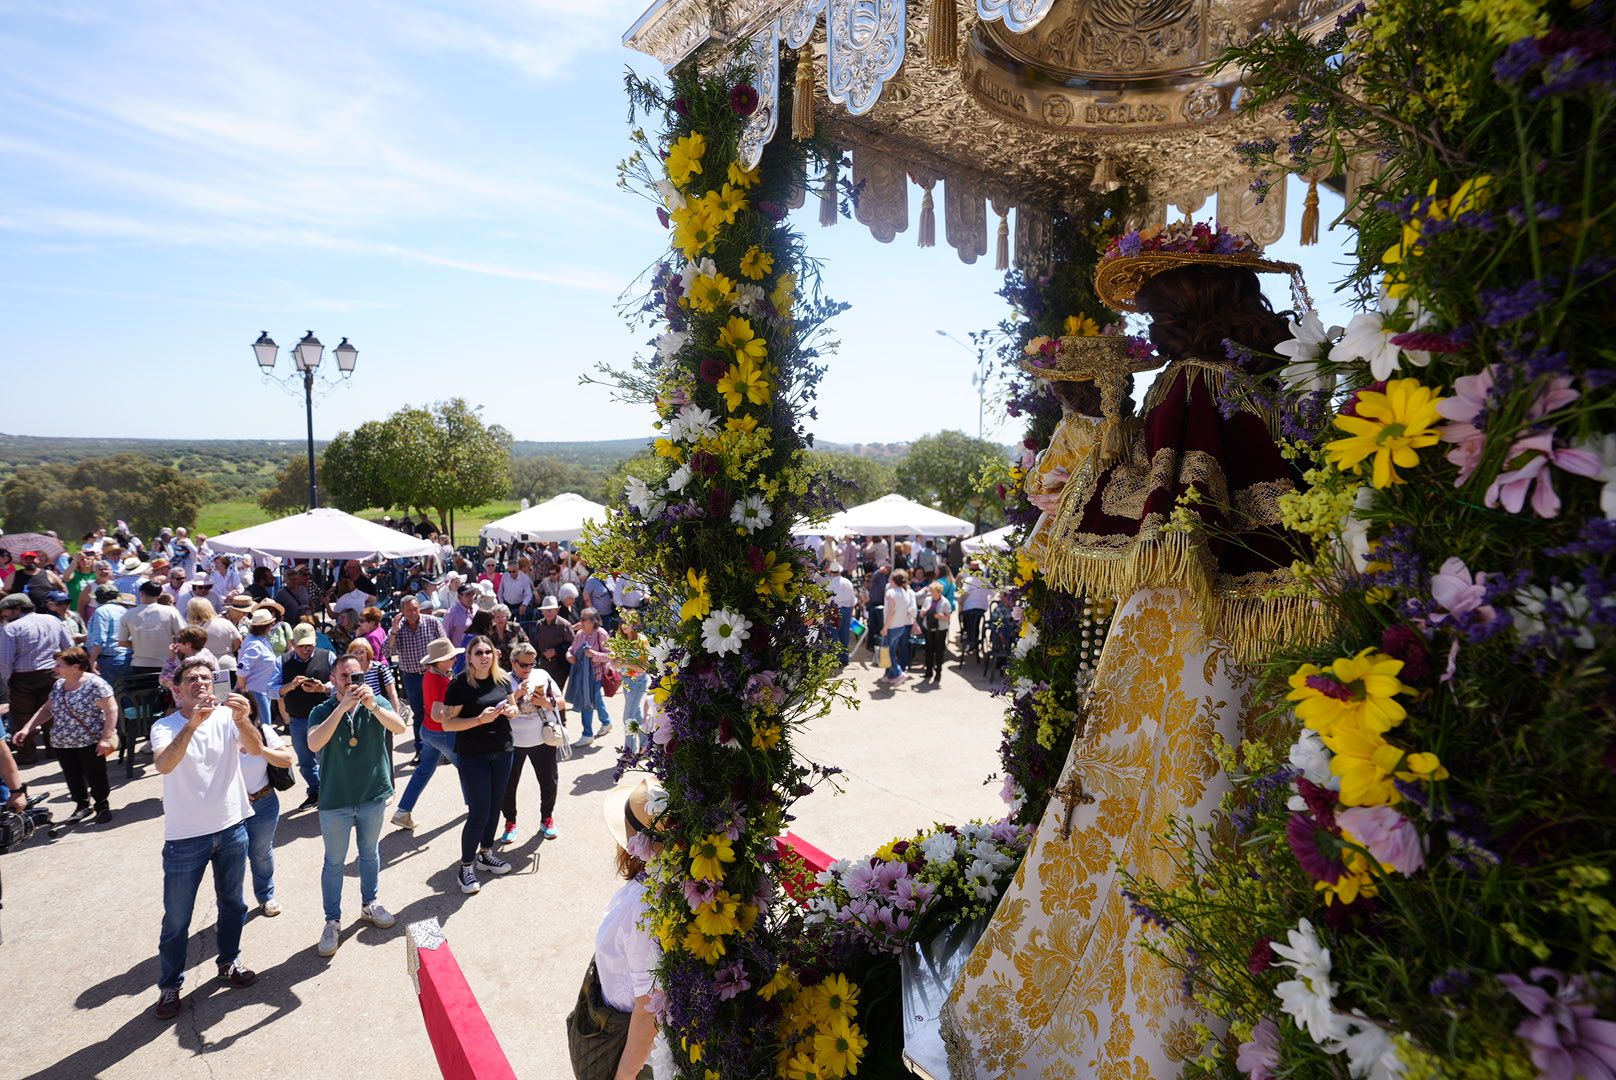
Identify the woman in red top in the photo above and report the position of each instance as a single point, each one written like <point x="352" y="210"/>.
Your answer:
<point x="437" y="744"/>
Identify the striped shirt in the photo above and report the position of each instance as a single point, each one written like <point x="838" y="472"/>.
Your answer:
<point x="411" y="643"/>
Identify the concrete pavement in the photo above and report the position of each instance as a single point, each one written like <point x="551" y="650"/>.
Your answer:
<point x="82" y="912"/>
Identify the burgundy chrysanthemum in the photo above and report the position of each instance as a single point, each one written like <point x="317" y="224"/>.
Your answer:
<point x="1262" y="956"/>
<point x="1351" y="407"/>
<point x="1329" y="687"/>
<point x="1437" y="343"/>
<point x="680" y="106"/>
<point x="704" y="464"/>
<point x="719" y="502"/>
<point x="1320" y="803"/>
<point x="1302" y="833"/>
<point x="744" y="99"/>
<point x="712" y="369"/>
<point x="1405" y="643"/>
<point x="771" y="210"/>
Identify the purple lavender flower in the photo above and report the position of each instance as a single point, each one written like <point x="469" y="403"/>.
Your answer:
<point x="1129" y="244"/>
<point x="1450" y="982"/>
<point x="1506" y="305"/>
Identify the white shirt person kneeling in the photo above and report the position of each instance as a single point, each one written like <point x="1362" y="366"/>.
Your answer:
<point x="198" y="750"/>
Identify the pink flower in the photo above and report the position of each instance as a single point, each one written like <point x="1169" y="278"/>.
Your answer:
<point x="1566" y="1039"/>
<point x="1557" y="395"/>
<point x="1469" y="401"/>
<point x="1259" y="1058"/>
<point x="1459" y="591"/>
<point x="1530" y="459"/>
<point x="1389" y="836"/>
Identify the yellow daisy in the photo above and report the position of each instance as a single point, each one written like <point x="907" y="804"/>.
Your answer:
<point x="684" y="158"/>
<point x="742" y="178"/>
<point x="708" y="292"/>
<point x="698" y="605"/>
<point x="708" y="857"/>
<point x="776" y="576"/>
<point x="1390" y="426"/>
<point x="766" y="737"/>
<point x="840" y="1049"/>
<point x="743" y="381"/>
<point x="756" y="263"/>
<point x="738" y="334"/>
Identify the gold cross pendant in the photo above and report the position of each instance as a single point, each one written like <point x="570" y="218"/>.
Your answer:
<point x="1072" y="795"/>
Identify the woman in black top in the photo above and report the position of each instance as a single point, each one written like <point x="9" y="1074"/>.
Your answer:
<point x="479" y="705"/>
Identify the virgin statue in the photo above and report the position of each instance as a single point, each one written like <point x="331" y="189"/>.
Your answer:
<point x="1183" y="530"/>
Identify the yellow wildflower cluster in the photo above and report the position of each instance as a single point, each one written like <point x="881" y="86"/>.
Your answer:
<point x="1351" y="705"/>
<point x="1318" y="510"/>
<point x="1506" y="21"/>
<point x="819" y="1028"/>
<point x="1391" y="426"/>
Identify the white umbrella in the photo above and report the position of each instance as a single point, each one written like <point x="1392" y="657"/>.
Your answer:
<point x="323" y="533"/>
<point x="894" y="515"/>
<point x="561" y="518"/>
<point x="997" y="540"/>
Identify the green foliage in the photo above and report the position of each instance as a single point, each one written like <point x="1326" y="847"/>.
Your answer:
<point x="645" y="466"/>
<point x="541" y="477"/>
<point x="948" y="471"/>
<point x="290" y="495"/>
<point x="851" y="478"/>
<point x="73" y="500"/>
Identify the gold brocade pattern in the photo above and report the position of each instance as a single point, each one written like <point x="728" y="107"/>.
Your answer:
<point x="1069" y="449"/>
<point x="1060" y="984"/>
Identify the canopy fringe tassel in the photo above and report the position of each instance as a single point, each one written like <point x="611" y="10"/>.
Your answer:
<point x="802" y="100"/>
<point x="942" y="37"/>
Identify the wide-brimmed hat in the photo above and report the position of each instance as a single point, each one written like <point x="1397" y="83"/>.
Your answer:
<point x="440" y="649"/>
<point x="262" y="617"/>
<point x="834" y="568"/>
<point x="241" y="602"/>
<point x="550" y="604"/>
<point x="272" y="606"/>
<point x="1133" y="259"/>
<point x="132" y="565"/>
<point x="302" y="634"/>
<point x="630" y="802"/>
<point x="106" y="594"/>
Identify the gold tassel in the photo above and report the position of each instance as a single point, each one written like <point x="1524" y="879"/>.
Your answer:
<point x="928" y="220"/>
<point x="827" y="195"/>
<point x="1310" y="215"/>
<point x="942" y="37"/>
<point x="1001" y="259"/>
<point x="802" y="101"/>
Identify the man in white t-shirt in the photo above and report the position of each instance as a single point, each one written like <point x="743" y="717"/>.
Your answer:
<point x="198" y="749"/>
<point x="843" y="596"/>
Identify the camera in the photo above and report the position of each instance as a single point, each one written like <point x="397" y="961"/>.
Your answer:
<point x="16" y="827"/>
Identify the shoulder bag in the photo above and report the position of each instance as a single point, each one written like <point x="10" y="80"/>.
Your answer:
<point x="596" y="1032"/>
<point x="280" y="779"/>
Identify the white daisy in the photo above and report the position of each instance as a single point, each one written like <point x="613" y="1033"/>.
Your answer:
<point x="1312" y="760"/>
<point x="940" y="846"/>
<point x="1355" y="529"/>
<point x="680" y="477"/>
<point x="671" y="197"/>
<point x="1302" y="373"/>
<point x="1574" y="607"/>
<point x="656" y="800"/>
<point x="1029" y="639"/>
<point x="638" y="495"/>
<point x="751" y="513"/>
<point x="723" y="631"/>
<point x="1370" y="1049"/>
<point x="669" y="344"/>
<point x="979" y="876"/>
<point x="1308" y="998"/>
<point x="690" y="271"/>
<point x="1366" y="338"/>
<point x="749" y="299"/>
<point x="692" y="423"/>
<point x="1605" y="448"/>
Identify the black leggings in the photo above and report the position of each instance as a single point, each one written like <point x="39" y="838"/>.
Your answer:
<point x="86" y="774"/>
<point x="544" y="767"/>
<point x="936" y="648"/>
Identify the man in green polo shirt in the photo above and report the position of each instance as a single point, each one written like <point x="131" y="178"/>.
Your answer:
<point x="348" y="732"/>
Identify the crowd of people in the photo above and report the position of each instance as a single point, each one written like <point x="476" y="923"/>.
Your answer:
<point x="255" y="674"/>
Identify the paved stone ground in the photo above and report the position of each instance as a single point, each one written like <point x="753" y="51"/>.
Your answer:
<point x="81" y="912"/>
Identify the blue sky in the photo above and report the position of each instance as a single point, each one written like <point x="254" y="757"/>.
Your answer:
<point x="434" y="181"/>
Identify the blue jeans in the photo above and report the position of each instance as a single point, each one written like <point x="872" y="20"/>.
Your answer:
<point x="266" y="706"/>
<point x="588" y="697"/>
<point x="412" y="694"/>
<point x="844" y="629"/>
<point x="335" y="828"/>
<point x="898" y="645"/>
<point x="482" y="783"/>
<point x="183" y="864"/>
<point x="307" y="763"/>
<point x="633" y="694"/>
<point x="436" y="746"/>
<point x="261" y="845"/>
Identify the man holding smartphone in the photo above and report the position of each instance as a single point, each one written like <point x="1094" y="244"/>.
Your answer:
<point x="197" y="749"/>
<point x="303" y="680"/>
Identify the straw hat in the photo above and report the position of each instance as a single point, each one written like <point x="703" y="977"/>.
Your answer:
<point x="1133" y="259"/>
<point x="630" y="800"/>
<point x="550" y="604"/>
<point x="262" y="618"/>
<point x="242" y="602"/>
<point x="272" y="606"/>
<point x="438" y="650"/>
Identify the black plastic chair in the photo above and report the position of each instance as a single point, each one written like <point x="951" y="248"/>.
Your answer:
<point x="140" y="701"/>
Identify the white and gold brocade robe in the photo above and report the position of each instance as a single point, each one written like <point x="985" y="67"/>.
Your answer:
<point x="1060" y="985"/>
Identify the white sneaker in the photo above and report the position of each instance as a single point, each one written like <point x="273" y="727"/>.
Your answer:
<point x="902" y="675"/>
<point x="404" y="819"/>
<point x="605" y="730"/>
<point x="377" y="915"/>
<point x="270" y="908"/>
<point x="330" y="938"/>
<point x="583" y="740"/>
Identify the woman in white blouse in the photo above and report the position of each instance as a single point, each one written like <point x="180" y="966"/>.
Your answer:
<point x="626" y="955"/>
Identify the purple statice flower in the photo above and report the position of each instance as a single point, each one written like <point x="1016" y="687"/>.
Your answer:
<point x="1349" y="18"/>
<point x="1451" y="981"/>
<point x="1565" y="1036"/>
<point x="1256" y="151"/>
<point x="730" y="980"/>
<point x="1596" y="539"/>
<point x="1129" y="244"/>
<point x="1145" y="913"/>
<point x="1506" y="305"/>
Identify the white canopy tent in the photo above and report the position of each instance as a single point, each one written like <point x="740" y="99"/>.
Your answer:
<point x="894" y="515"/>
<point x="323" y="533"/>
<point x="561" y="518"/>
<point x="997" y="540"/>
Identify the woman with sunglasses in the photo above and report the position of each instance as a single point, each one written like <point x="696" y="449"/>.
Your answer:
<point x="478" y="707"/>
<point x="538" y="698"/>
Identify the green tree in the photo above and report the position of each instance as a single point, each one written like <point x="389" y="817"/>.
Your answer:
<point x="290" y="492"/>
<point x="25" y="493"/>
<point x="852" y="478"/>
<point x="645" y="465"/>
<point x="541" y="477"/>
<point x="355" y="471"/>
<point x="143" y="492"/>
<point x="949" y="471"/>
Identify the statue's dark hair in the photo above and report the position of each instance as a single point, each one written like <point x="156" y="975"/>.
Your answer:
<point x="1193" y="309"/>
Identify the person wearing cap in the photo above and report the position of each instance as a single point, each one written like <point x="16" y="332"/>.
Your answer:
<point x="82" y="714"/>
<point x="198" y="749"/>
<point x="256" y="663"/>
<point x="626" y="954"/>
<point x="27" y="569"/>
<point x="293" y="596"/>
<point x="436" y="744"/>
<point x="56" y="604"/>
<point x="411" y="635"/>
<point x="552" y="636"/>
<point x="29" y="643"/>
<point x="458" y="619"/>
<point x="226" y="579"/>
<point x="843" y="596"/>
<point x="303" y="680"/>
<point x="349" y="731"/>
<point x="109" y="658"/>
<point x="148" y="631"/>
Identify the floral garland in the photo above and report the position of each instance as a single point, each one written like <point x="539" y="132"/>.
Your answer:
<point x="740" y="657"/>
<point x="1061" y="634"/>
<point x="1414" y="875"/>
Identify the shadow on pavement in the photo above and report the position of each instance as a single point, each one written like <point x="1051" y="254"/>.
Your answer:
<point x="600" y="780"/>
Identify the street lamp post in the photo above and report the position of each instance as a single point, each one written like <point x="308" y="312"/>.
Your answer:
<point x="306" y="357"/>
<point x="979" y="380"/>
